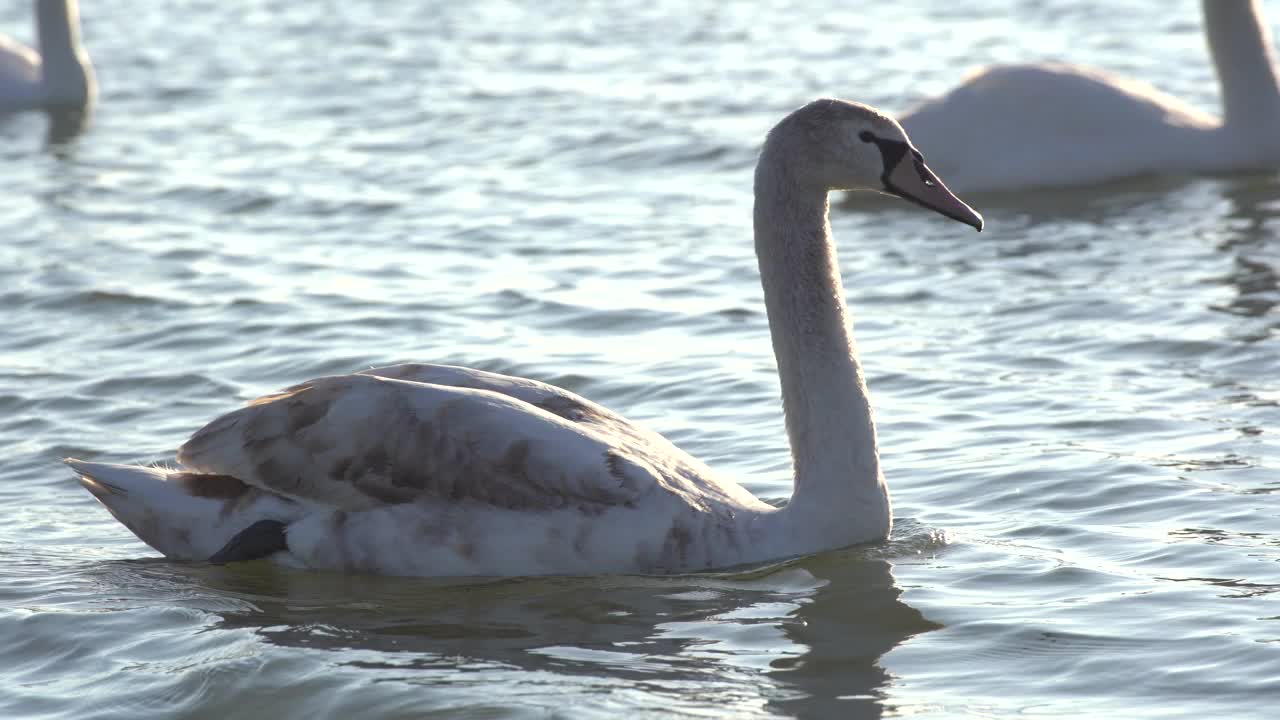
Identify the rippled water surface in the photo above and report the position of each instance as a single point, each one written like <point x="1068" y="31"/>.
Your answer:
<point x="1078" y="407"/>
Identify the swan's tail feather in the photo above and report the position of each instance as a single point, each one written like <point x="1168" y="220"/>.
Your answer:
<point x="184" y="515"/>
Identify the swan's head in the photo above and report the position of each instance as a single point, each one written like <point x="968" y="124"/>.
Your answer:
<point x="841" y="145"/>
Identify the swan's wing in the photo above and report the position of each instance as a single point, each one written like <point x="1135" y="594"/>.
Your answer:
<point x="359" y="441"/>
<point x="543" y="396"/>
<point x="681" y="472"/>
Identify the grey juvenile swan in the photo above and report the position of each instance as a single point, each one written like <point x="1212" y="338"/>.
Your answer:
<point x="440" y="470"/>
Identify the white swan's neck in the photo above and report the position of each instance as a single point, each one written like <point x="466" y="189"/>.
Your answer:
<point x="64" y="64"/>
<point x="840" y="496"/>
<point x="1240" y="44"/>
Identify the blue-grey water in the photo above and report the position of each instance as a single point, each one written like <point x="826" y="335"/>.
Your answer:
<point x="1078" y="407"/>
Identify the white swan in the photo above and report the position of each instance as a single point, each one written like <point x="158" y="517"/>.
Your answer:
<point x="1027" y="126"/>
<point x="439" y="470"/>
<point x="59" y="77"/>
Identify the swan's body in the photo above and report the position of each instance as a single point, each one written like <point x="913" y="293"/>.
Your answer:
<point x="57" y="78"/>
<point x="1016" y="127"/>
<point x="438" y="470"/>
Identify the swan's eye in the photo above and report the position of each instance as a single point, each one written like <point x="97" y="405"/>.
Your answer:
<point x="866" y="136"/>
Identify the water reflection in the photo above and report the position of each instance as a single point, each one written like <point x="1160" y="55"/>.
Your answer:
<point x="1253" y="205"/>
<point x="63" y="125"/>
<point x="802" y="638"/>
<point x="66" y="123"/>
<point x="1252" y="201"/>
<point x="845" y="627"/>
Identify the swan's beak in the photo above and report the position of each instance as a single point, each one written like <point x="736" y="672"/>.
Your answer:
<point x="912" y="180"/>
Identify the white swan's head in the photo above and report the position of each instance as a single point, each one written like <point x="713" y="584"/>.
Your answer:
<point x="841" y="145"/>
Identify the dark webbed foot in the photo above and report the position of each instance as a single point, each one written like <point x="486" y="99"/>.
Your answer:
<point x="259" y="540"/>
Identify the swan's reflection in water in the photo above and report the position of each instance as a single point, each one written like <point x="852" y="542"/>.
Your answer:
<point x="1253" y="207"/>
<point x="63" y="125"/>
<point x="842" y="629"/>
<point x="799" y="639"/>
<point x="66" y="123"/>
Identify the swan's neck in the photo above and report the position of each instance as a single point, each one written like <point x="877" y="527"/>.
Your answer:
<point x="1240" y="44"/>
<point x="64" y="64"/>
<point x="840" y="495"/>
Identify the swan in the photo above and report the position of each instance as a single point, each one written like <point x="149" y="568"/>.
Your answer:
<point x="1016" y="127"/>
<point x="59" y="77"/>
<point x="448" y="471"/>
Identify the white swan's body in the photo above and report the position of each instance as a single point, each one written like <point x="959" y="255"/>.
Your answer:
<point x="439" y="470"/>
<point x="60" y="76"/>
<point x="1017" y="127"/>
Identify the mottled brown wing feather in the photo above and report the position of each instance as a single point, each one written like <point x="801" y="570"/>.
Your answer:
<point x="359" y="441"/>
<point x="680" y="473"/>
<point x="550" y="398"/>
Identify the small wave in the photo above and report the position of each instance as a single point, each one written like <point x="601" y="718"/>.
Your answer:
<point x="110" y="301"/>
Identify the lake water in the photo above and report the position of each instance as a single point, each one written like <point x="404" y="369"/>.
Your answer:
<point x="1078" y="407"/>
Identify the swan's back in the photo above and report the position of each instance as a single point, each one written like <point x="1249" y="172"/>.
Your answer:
<point x="1022" y="126"/>
<point x="19" y="76"/>
<point x="397" y="434"/>
<point x="638" y="441"/>
<point x="1087" y="101"/>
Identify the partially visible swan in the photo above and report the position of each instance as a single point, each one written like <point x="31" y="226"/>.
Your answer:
<point x="1016" y="127"/>
<point x="58" y="78"/>
<point x="440" y="470"/>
